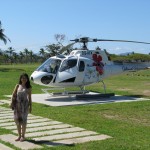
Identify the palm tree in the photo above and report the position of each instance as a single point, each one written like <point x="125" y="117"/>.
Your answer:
<point x="3" y="37"/>
<point x="1" y="52"/>
<point x="21" y="54"/>
<point x="6" y="58"/>
<point x="31" y="55"/>
<point x="10" y="52"/>
<point x="42" y="52"/>
<point x="26" y="52"/>
<point x="15" y="56"/>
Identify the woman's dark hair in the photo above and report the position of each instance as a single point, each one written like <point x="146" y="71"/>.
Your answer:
<point x="28" y="81"/>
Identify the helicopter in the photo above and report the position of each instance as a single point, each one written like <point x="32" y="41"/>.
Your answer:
<point x="82" y="66"/>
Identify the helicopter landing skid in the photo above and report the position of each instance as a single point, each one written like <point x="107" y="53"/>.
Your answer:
<point x="64" y="93"/>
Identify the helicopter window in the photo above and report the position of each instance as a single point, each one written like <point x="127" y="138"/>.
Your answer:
<point x="81" y="66"/>
<point x="50" y="66"/>
<point x="67" y="64"/>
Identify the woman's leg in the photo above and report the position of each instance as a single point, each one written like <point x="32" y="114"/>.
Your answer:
<point x="23" y="132"/>
<point x="19" y="132"/>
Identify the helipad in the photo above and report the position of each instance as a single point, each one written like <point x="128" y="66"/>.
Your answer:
<point x="72" y="100"/>
<point x="60" y="100"/>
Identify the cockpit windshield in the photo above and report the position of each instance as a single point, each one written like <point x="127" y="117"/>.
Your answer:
<point x="67" y="64"/>
<point x="50" y="66"/>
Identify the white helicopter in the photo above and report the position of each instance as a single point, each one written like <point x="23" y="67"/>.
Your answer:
<point x="82" y="66"/>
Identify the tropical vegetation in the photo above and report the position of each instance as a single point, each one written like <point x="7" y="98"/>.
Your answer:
<point x="10" y="56"/>
<point x="3" y="37"/>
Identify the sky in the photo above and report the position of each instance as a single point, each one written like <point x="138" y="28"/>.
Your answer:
<point x="32" y="24"/>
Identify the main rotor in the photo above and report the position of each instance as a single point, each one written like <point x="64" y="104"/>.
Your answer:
<point x="85" y="40"/>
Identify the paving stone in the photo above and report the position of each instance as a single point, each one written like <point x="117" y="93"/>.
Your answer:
<point x="3" y="110"/>
<point x="6" y="117"/>
<point x="1" y="103"/>
<point x="65" y="136"/>
<point x="59" y="126"/>
<point x="22" y="145"/>
<point x="1" y="107"/>
<point x="7" y="124"/>
<point x="5" y="101"/>
<point x="80" y="140"/>
<point x="12" y="116"/>
<point x="8" y="114"/>
<point x="4" y="147"/>
<point x="39" y="120"/>
<point x="6" y="120"/>
<point x="34" y="117"/>
<point x="29" y="116"/>
<point x="51" y="132"/>
<point x="12" y="127"/>
<point x="43" y="123"/>
<point x="6" y="111"/>
<point x="32" y="121"/>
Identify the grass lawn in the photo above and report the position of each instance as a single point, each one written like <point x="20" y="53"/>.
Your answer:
<point x="127" y="123"/>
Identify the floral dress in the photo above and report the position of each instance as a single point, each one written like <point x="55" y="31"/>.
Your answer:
<point x="22" y="105"/>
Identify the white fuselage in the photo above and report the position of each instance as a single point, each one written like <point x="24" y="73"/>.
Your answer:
<point x="81" y="67"/>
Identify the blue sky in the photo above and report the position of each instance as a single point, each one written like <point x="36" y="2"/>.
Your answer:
<point x="32" y="24"/>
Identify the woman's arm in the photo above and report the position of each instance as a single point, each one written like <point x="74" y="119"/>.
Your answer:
<point x="30" y="100"/>
<point x="14" y="94"/>
<point x="13" y="98"/>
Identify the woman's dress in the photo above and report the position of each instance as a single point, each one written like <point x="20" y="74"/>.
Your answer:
<point x="22" y="105"/>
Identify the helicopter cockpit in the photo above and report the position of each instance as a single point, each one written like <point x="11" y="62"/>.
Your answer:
<point x="50" y="66"/>
<point x="67" y="64"/>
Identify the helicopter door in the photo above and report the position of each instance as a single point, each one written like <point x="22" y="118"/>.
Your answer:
<point x="81" y="69"/>
<point x="67" y="72"/>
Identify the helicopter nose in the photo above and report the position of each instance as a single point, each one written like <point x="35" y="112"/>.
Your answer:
<point x="41" y="78"/>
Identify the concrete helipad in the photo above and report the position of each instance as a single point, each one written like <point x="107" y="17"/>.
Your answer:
<point x="71" y="100"/>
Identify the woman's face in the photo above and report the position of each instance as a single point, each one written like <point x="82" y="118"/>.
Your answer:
<point x="24" y="79"/>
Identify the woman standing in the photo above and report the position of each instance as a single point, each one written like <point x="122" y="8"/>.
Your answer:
<point x="22" y="106"/>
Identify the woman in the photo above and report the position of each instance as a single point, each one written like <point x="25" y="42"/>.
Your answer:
<point x="22" y="106"/>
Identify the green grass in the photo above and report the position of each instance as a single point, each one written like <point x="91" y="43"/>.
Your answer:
<point x="127" y="123"/>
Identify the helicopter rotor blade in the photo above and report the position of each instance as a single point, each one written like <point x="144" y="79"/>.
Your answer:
<point x="66" y="47"/>
<point x="105" y="40"/>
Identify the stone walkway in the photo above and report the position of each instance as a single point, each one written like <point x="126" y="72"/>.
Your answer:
<point x="44" y="131"/>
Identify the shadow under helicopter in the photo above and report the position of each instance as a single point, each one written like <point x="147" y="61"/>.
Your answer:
<point x="72" y="100"/>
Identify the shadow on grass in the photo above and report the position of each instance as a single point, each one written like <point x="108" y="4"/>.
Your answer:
<point x="10" y="69"/>
<point x="48" y="143"/>
<point x="135" y="96"/>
